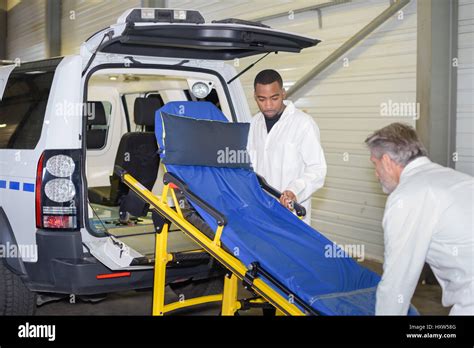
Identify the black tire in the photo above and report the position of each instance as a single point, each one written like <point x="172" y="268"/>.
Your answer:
<point x="197" y="288"/>
<point x="15" y="297"/>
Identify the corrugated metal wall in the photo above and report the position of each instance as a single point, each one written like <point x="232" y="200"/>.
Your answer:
<point x="465" y="104"/>
<point x="80" y="19"/>
<point x="345" y="101"/>
<point x="26" y="33"/>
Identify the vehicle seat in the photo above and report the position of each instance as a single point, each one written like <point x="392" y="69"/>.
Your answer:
<point x="138" y="155"/>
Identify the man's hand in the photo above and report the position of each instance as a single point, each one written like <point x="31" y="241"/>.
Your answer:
<point x="287" y="198"/>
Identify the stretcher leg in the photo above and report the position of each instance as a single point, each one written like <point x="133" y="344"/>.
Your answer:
<point x="161" y="259"/>
<point x="230" y="304"/>
<point x="229" y="298"/>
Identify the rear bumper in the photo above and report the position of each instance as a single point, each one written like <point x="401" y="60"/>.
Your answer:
<point x="63" y="267"/>
<point x="79" y="277"/>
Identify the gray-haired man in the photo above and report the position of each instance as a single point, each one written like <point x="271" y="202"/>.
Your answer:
<point x="428" y="217"/>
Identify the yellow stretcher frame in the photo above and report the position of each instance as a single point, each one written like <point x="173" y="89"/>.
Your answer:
<point x="238" y="271"/>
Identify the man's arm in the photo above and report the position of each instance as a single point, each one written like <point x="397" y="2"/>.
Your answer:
<point x="314" y="162"/>
<point x="408" y="223"/>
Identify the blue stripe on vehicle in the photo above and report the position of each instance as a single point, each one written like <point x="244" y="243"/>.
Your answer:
<point x="28" y="187"/>
<point x="14" y="185"/>
<point x="3" y="184"/>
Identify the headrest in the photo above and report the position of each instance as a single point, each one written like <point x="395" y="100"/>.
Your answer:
<point x="95" y="114"/>
<point x="144" y="111"/>
<point x="203" y="142"/>
<point x="201" y="110"/>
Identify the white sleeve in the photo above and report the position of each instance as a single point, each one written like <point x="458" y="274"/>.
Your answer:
<point x="408" y="223"/>
<point x="252" y="142"/>
<point x="315" y="167"/>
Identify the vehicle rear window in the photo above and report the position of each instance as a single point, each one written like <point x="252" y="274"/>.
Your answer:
<point x="212" y="97"/>
<point x="97" y="131"/>
<point x="23" y="106"/>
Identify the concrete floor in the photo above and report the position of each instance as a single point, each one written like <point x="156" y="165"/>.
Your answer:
<point x="427" y="300"/>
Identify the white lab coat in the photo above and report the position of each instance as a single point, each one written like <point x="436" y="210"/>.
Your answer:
<point x="290" y="157"/>
<point x="428" y="217"/>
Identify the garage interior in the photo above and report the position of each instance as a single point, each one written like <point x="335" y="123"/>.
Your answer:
<point x="374" y="55"/>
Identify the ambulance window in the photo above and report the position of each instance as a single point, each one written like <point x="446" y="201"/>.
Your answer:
<point x="188" y="95"/>
<point x="212" y="97"/>
<point x="98" y="126"/>
<point x="156" y="96"/>
<point x="22" y="108"/>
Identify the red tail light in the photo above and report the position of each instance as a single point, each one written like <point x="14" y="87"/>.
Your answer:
<point x="57" y="221"/>
<point x="58" y="190"/>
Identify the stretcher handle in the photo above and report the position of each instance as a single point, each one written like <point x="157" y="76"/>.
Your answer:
<point x="300" y="210"/>
<point x="173" y="179"/>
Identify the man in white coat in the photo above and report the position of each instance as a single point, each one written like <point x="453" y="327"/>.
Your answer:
<point x="284" y="144"/>
<point x="428" y="217"/>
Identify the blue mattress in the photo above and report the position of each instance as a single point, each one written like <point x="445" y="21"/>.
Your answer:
<point x="260" y="229"/>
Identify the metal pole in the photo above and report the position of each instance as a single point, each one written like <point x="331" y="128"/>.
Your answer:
<point x="3" y="29"/>
<point x="453" y="84"/>
<point x="300" y="10"/>
<point x="53" y="28"/>
<point x="345" y="47"/>
<point x="435" y="92"/>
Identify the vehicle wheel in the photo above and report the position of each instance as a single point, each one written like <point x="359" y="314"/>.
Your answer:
<point x="15" y="297"/>
<point x="197" y="288"/>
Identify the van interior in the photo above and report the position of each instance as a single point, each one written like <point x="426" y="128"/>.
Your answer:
<point x="120" y="131"/>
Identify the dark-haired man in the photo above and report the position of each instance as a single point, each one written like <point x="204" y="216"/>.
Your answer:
<point x="284" y="144"/>
<point x="428" y="217"/>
